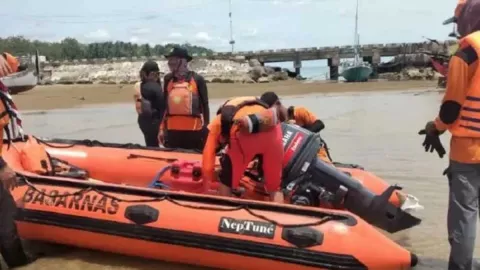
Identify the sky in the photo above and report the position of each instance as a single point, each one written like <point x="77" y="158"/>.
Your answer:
<point x="257" y="24"/>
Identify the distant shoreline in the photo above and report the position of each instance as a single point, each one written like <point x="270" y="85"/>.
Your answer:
<point x="68" y="96"/>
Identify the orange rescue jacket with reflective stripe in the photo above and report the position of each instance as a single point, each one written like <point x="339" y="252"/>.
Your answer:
<point x="12" y="61"/>
<point x="5" y="68"/>
<point x="183" y="98"/>
<point x="468" y="122"/>
<point x="184" y="109"/>
<point x="252" y="123"/>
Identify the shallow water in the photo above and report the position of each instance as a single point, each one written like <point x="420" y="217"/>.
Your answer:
<point x="376" y="130"/>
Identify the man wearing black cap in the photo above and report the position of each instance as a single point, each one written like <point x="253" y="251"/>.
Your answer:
<point x="460" y="115"/>
<point x="186" y="98"/>
<point x="149" y="102"/>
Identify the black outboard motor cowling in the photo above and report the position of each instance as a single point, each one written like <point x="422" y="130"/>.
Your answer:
<point x="309" y="181"/>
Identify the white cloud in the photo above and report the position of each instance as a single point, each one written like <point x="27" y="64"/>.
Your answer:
<point x="134" y="39"/>
<point x="137" y="40"/>
<point x="252" y="32"/>
<point x="141" y="31"/>
<point x="203" y="37"/>
<point x="98" y="35"/>
<point x="175" y="35"/>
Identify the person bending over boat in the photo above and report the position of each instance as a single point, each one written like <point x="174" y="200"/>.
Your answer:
<point x="300" y="116"/>
<point x="10" y="244"/>
<point x="249" y="128"/>
<point x="149" y="102"/>
<point x="460" y="115"/>
<point x="186" y="97"/>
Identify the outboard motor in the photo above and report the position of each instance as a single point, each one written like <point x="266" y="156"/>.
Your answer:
<point x="312" y="182"/>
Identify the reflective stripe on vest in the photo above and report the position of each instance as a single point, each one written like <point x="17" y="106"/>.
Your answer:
<point x="468" y="122"/>
<point x="230" y="108"/>
<point x="183" y="98"/>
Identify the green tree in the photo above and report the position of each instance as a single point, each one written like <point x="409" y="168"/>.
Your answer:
<point x="70" y="48"/>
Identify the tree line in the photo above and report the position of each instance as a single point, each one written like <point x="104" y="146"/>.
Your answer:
<point x="71" y="49"/>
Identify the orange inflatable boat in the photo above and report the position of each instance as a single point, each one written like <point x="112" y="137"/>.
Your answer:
<point x="107" y="161"/>
<point x="206" y="230"/>
<point x="180" y="171"/>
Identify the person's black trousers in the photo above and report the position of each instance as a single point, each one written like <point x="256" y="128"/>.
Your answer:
<point x="149" y="128"/>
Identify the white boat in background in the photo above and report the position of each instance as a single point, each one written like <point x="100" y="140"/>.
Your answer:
<point x="23" y="80"/>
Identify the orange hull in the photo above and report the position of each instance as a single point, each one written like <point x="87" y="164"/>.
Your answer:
<point x="136" y="165"/>
<point x="199" y="229"/>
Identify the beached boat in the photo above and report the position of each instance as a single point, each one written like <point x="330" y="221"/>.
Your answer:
<point x="21" y="81"/>
<point x="358" y="70"/>
<point x="347" y="187"/>
<point x="202" y="230"/>
<point x="24" y="80"/>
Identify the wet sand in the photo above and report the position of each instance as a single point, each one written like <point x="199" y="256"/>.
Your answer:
<point x="68" y="96"/>
<point x="375" y="129"/>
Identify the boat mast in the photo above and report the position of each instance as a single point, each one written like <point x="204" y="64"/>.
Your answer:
<point x="356" y="38"/>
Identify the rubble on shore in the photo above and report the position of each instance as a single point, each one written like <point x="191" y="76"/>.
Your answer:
<point x="216" y="71"/>
<point x="411" y="73"/>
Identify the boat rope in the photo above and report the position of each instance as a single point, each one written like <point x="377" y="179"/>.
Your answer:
<point x="94" y="143"/>
<point x="327" y="149"/>
<point x="166" y="197"/>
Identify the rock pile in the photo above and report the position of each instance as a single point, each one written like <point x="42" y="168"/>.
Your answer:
<point x="218" y="71"/>
<point x="411" y="73"/>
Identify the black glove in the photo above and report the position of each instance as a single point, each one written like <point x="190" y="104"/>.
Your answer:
<point x="432" y="142"/>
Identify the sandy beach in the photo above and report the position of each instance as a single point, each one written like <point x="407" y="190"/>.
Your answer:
<point x="68" y="96"/>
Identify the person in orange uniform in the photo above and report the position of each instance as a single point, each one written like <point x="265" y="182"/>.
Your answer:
<point x="460" y="115"/>
<point x="249" y="128"/>
<point x="187" y="111"/>
<point x="300" y="116"/>
<point x="10" y="244"/>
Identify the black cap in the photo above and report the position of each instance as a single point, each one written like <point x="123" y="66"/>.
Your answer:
<point x="269" y="98"/>
<point x="150" y="66"/>
<point x="179" y="52"/>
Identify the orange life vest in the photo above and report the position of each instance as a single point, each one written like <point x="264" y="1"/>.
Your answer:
<point x="4" y="115"/>
<point x="12" y="61"/>
<point x="34" y="158"/>
<point x="183" y="98"/>
<point x="230" y="108"/>
<point x="5" y="68"/>
<point x="468" y="122"/>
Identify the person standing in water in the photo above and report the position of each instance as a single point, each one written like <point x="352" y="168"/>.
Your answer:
<point x="149" y="102"/>
<point x="187" y="111"/>
<point x="460" y="115"/>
